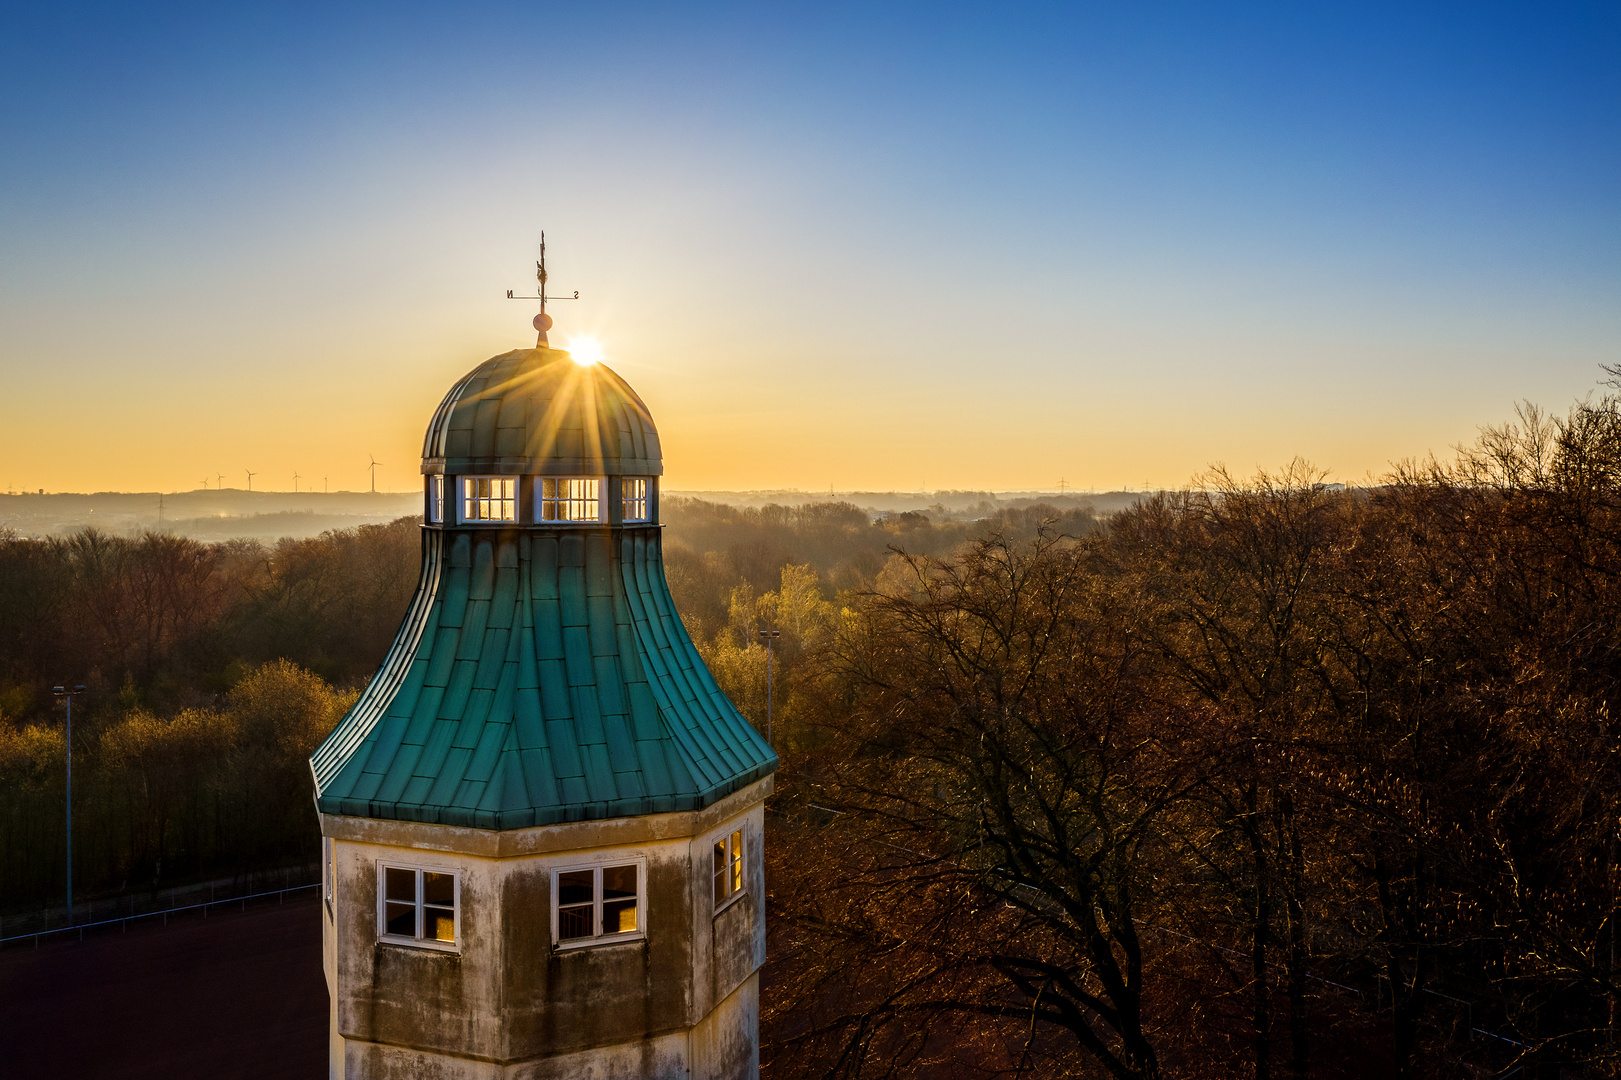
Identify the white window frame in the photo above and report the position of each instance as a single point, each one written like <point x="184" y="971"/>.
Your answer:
<point x="436" y="499"/>
<point x="418" y="942"/>
<point x="732" y="879"/>
<point x="468" y="494"/>
<point x="636" y="491"/>
<point x="570" y="499"/>
<point x="329" y="875"/>
<point x="599" y="939"/>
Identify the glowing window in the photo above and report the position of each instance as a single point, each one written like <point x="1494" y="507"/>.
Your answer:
<point x="633" y="493"/>
<point x="727" y="867"/>
<point x="418" y="906"/>
<point x="329" y="873"/>
<point x="489" y="498"/>
<point x="597" y="904"/>
<point x="436" y="499"/>
<point x="569" y="499"/>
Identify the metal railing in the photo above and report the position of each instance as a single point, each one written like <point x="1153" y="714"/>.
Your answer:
<point x="190" y="898"/>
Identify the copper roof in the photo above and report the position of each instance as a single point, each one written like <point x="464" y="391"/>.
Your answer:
<point x="542" y="674"/>
<point x="539" y="678"/>
<point x="535" y="411"/>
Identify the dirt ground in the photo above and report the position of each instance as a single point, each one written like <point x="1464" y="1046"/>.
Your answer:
<point x="236" y="995"/>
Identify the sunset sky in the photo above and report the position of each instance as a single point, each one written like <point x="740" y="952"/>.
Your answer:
<point x="852" y="246"/>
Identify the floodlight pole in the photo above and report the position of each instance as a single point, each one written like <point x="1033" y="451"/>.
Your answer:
<point x="770" y="637"/>
<point x="67" y="694"/>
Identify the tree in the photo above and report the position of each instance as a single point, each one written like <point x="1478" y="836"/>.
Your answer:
<point x="999" y="803"/>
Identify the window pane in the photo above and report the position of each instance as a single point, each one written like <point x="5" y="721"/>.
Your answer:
<point x="633" y="497"/>
<point x="720" y="856"/>
<point x="618" y="882"/>
<point x="402" y="884"/>
<point x="439" y="889"/>
<point x="737" y="861"/>
<point x="574" y="887"/>
<point x="400" y="919"/>
<point x="573" y="922"/>
<point x="618" y="916"/>
<point x="490" y="498"/>
<point x="569" y="499"/>
<point x="720" y="885"/>
<point x="440" y="923"/>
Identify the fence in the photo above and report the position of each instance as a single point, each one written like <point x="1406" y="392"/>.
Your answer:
<point x="189" y="898"/>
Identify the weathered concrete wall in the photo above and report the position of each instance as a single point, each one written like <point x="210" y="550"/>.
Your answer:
<point x="444" y="1001"/>
<point x="562" y="1000"/>
<point x="726" y="1044"/>
<point x="329" y="965"/>
<point x="723" y="1046"/>
<point x="731" y="942"/>
<point x="506" y="998"/>
<point x="662" y="1058"/>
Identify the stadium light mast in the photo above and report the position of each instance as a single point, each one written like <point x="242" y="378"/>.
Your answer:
<point x="67" y="694"/>
<point x="769" y="637"/>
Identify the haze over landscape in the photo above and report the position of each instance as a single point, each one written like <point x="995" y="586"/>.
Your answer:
<point x="852" y="247"/>
<point x="1093" y="547"/>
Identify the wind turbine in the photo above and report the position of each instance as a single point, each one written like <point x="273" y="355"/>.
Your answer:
<point x="221" y="485"/>
<point x="251" y="475"/>
<point x="205" y="483"/>
<point x="295" y="483"/>
<point x="374" y="464"/>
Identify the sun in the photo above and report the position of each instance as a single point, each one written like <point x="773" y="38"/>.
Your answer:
<point x="585" y="351"/>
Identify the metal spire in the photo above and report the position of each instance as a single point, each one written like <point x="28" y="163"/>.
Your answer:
<point x="540" y="272"/>
<point x="543" y="321"/>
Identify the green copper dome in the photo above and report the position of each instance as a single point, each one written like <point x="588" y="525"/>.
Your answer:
<point x="536" y="411"/>
<point x="542" y="673"/>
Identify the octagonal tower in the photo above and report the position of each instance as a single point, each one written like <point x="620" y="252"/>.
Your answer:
<point x="543" y="821"/>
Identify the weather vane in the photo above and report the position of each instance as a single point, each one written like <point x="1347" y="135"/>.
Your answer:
<point x="543" y="321"/>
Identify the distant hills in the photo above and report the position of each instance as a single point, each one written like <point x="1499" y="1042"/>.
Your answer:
<point x="271" y="515"/>
<point x="205" y="515"/>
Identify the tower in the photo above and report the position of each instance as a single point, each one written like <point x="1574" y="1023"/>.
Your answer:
<point x="542" y="822"/>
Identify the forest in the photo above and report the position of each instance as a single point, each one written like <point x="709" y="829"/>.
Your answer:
<point x="1257" y="778"/>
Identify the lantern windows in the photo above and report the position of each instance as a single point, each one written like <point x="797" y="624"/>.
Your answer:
<point x="595" y="905"/>
<point x="419" y="905"/>
<point x="634" y="503"/>
<point x="567" y="498"/>
<point x="436" y="499"/>
<point x="489" y="498"/>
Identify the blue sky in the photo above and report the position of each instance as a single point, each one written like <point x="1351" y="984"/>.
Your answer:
<point x="860" y="246"/>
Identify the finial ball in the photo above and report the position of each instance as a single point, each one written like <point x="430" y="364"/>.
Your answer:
<point x="543" y="322"/>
